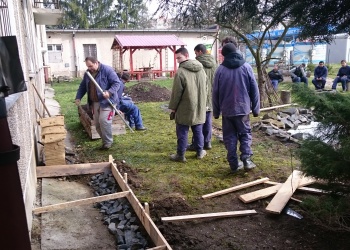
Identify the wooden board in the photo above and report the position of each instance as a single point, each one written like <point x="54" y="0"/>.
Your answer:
<point x="210" y="215"/>
<point x="74" y="169"/>
<point x="239" y="187"/>
<point x="152" y="230"/>
<point x="53" y="130"/>
<point x="75" y="203"/>
<point x="50" y="138"/>
<point x="52" y="121"/>
<point x="266" y="192"/>
<point x="284" y="193"/>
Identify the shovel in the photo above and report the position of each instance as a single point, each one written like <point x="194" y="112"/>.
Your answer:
<point x="110" y="102"/>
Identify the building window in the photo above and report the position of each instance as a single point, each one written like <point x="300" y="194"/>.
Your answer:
<point x="54" y="53"/>
<point x="90" y="50"/>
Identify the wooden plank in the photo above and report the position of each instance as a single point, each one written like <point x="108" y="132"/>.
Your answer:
<point x="210" y="215"/>
<point x="239" y="187"/>
<point x="266" y="192"/>
<point x="53" y="130"/>
<point x="51" y="121"/>
<point x="306" y="189"/>
<point x="284" y="193"/>
<point x="152" y="230"/>
<point x="74" y="169"/>
<point x="259" y="194"/>
<point x="50" y="138"/>
<point x="163" y="247"/>
<point x="75" y="203"/>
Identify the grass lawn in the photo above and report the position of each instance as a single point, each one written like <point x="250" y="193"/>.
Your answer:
<point x="148" y="152"/>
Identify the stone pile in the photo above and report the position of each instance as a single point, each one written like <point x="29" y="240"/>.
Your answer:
<point x="278" y="123"/>
<point x="118" y="215"/>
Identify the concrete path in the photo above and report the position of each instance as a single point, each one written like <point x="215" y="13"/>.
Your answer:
<point x="80" y="227"/>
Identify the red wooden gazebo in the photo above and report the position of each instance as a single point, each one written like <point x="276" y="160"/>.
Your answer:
<point x="131" y="43"/>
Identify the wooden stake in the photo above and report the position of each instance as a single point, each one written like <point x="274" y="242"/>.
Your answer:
<point x="41" y="99"/>
<point x="75" y="203"/>
<point x="126" y="177"/>
<point x="210" y="215"/>
<point x="239" y="187"/>
<point x="147" y="208"/>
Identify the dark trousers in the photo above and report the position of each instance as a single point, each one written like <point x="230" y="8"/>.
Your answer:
<point x="182" y="137"/>
<point x="234" y="129"/>
<point x="319" y="84"/>
<point x="207" y="128"/>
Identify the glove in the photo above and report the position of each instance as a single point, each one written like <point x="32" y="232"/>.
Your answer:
<point x="255" y="115"/>
<point x="77" y="102"/>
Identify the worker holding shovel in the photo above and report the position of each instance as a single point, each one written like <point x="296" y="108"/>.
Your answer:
<point x="100" y="101"/>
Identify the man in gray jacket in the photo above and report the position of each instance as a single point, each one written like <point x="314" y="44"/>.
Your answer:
<point x="235" y="93"/>
<point x="188" y="102"/>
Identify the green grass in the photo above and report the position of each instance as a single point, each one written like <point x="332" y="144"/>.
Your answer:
<point x="148" y="153"/>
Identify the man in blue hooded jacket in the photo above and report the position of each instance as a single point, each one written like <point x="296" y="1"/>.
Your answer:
<point x="103" y="112"/>
<point x="320" y="73"/>
<point x="235" y="93"/>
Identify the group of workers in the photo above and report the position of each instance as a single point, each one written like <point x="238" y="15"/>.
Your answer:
<point x="201" y="90"/>
<point x="298" y="74"/>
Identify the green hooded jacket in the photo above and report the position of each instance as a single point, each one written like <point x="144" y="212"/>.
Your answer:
<point x="210" y="66"/>
<point x="189" y="94"/>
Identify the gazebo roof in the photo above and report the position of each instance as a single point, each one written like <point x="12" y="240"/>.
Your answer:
<point x="146" y="41"/>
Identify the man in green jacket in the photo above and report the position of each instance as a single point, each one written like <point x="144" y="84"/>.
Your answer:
<point x="188" y="102"/>
<point x="209" y="66"/>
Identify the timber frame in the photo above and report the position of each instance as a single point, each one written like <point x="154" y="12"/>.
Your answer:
<point x="93" y="168"/>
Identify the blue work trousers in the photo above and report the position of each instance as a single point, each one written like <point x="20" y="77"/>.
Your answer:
<point x="234" y="129"/>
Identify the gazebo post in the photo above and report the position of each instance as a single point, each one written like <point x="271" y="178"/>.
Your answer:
<point x="160" y="59"/>
<point x="175" y="64"/>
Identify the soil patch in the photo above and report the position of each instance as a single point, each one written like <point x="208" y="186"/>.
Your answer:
<point x="148" y="92"/>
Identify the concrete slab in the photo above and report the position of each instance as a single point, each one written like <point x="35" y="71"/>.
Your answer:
<point x="73" y="228"/>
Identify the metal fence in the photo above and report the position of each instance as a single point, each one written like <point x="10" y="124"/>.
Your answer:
<point x="5" y="27"/>
<point x="47" y="4"/>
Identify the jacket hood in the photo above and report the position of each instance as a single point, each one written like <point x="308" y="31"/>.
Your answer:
<point x="233" y="60"/>
<point x="206" y="60"/>
<point x="191" y="65"/>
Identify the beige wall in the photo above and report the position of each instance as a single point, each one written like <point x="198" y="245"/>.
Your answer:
<point x="21" y="115"/>
<point x="104" y="40"/>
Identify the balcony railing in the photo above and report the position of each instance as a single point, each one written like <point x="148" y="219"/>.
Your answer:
<point x="47" y="4"/>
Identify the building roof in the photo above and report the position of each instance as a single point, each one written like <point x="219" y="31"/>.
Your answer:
<point x="146" y="41"/>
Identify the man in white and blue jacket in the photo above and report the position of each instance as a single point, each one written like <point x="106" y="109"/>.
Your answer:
<point x="103" y="112"/>
<point x="235" y="93"/>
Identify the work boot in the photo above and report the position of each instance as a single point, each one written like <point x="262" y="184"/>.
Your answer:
<point x="105" y="146"/>
<point x="141" y="128"/>
<point x="207" y="145"/>
<point x="235" y="169"/>
<point x="201" y="154"/>
<point x="191" y="147"/>
<point x="178" y="158"/>
<point x="248" y="164"/>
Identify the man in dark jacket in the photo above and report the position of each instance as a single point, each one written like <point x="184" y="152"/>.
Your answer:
<point x="209" y="66"/>
<point x="343" y="76"/>
<point x="188" y="102"/>
<point x="275" y="76"/>
<point x="235" y="93"/>
<point x="103" y="112"/>
<point x="320" y="73"/>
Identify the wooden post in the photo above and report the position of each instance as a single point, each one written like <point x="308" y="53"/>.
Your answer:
<point x="347" y="86"/>
<point x="285" y="96"/>
<point x="147" y="208"/>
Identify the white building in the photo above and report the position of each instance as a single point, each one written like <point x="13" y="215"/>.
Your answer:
<point x="67" y="49"/>
<point x="339" y="49"/>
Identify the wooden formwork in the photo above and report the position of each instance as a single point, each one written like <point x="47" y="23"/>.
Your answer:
<point x="94" y="168"/>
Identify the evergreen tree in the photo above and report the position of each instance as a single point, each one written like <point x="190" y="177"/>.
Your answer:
<point x="130" y="14"/>
<point x="326" y="155"/>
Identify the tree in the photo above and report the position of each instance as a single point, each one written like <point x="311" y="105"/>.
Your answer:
<point x="87" y="14"/>
<point x="241" y="16"/>
<point x="326" y="154"/>
<point x="90" y="14"/>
